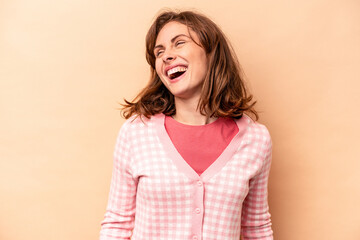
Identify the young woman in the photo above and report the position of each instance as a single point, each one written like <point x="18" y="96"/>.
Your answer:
<point x="189" y="163"/>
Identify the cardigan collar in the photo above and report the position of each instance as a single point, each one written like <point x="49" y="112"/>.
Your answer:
<point x="216" y="166"/>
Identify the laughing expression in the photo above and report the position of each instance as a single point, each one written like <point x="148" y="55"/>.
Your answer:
<point x="180" y="63"/>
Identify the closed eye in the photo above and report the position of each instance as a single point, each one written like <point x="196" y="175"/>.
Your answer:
<point x="179" y="42"/>
<point x="158" y="53"/>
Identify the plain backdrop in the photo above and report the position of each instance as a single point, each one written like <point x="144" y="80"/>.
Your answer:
<point x="65" y="65"/>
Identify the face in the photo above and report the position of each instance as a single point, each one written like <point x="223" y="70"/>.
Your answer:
<point x="180" y="63"/>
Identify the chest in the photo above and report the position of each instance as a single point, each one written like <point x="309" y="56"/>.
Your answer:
<point x="164" y="178"/>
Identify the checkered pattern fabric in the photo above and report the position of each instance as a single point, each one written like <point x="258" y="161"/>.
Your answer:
<point x="155" y="194"/>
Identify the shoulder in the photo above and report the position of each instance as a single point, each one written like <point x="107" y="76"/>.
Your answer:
<point x="256" y="131"/>
<point x="136" y="125"/>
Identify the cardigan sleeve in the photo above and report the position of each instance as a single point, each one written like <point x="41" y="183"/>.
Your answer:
<point x="120" y="212"/>
<point x="255" y="221"/>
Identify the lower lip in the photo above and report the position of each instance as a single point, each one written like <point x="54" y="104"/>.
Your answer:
<point x="174" y="80"/>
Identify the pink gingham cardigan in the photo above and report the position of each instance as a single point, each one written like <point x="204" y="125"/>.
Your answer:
<point x="156" y="195"/>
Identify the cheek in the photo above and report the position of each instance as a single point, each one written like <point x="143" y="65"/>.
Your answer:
<point x="202" y="66"/>
<point x="157" y="68"/>
<point x="200" y="58"/>
<point x="159" y="72"/>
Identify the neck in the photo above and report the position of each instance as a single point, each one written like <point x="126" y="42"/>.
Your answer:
<point x="187" y="112"/>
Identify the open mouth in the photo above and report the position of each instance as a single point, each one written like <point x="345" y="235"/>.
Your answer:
<point x="176" y="72"/>
<point x="175" y="75"/>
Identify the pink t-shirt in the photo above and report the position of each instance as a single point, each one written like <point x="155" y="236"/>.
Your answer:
<point x="201" y="145"/>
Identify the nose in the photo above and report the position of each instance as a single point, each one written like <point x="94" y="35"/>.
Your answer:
<point x="168" y="56"/>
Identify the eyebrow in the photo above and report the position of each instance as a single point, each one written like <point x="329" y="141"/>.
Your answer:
<point x="172" y="40"/>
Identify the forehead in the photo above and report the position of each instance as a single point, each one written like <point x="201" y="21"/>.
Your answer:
<point x="171" y="29"/>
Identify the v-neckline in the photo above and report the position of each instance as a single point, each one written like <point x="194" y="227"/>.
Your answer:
<point x="216" y="166"/>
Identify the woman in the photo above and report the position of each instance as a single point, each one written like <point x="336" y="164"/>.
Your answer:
<point x="188" y="162"/>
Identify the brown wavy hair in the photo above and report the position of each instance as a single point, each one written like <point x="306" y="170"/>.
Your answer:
<point x="223" y="92"/>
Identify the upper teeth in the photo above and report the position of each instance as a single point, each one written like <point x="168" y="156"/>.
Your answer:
<point x="176" y="69"/>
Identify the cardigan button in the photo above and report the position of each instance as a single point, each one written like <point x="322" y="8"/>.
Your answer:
<point x="195" y="237"/>
<point x="199" y="183"/>
<point x="197" y="210"/>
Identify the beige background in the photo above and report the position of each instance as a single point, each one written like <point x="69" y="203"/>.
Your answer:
<point x="64" y="65"/>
